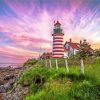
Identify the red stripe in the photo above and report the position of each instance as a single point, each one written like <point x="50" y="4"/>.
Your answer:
<point x="58" y="34"/>
<point x="58" y="54"/>
<point x="57" y="44"/>
<point x="57" y="41"/>
<point x="58" y="47"/>
<point x="58" y="50"/>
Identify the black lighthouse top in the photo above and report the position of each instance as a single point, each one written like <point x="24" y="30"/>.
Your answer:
<point x="57" y="28"/>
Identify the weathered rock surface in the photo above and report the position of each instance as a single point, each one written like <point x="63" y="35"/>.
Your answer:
<point x="7" y="86"/>
<point x="8" y="77"/>
<point x="1" y="82"/>
<point x="18" y="94"/>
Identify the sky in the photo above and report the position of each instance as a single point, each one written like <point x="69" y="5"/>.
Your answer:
<point x="26" y="26"/>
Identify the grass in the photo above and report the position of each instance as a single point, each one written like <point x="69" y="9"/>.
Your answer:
<point x="85" y="90"/>
<point x="51" y="84"/>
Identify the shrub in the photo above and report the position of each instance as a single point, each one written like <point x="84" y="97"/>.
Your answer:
<point x="84" y="91"/>
<point x="38" y="96"/>
<point x="51" y="91"/>
<point x="34" y="73"/>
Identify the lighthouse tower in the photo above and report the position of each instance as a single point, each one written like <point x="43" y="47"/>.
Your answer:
<point x="58" y="47"/>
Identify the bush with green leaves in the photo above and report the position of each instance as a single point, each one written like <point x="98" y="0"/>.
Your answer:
<point x="85" y="91"/>
<point x="54" y="90"/>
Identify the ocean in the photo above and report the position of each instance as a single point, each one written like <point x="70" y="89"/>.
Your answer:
<point x="14" y="65"/>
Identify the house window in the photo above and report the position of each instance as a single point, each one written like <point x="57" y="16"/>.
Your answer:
<point x="68" y="47"/>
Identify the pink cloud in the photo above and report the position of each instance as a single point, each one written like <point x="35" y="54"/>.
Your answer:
<point x="17" y="54"/>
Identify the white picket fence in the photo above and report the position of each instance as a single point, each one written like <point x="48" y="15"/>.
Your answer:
<point x="66" y="64"/>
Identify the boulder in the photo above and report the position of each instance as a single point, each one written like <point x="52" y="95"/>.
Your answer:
<point x="2" y="89"/>
<point x="18" y="94"/>
<point x="1" y="82"/>
<point x="7" y="77"/>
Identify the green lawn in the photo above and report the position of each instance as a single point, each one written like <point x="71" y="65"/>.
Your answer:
<point x="47" y="83"/>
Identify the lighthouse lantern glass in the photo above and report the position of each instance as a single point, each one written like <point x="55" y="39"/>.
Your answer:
<point x="57" y="29"/>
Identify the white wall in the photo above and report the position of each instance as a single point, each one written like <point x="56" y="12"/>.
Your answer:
<point x="72" y="51"/>
<point x="66" y="54"/>
<point x="75" y="51"/>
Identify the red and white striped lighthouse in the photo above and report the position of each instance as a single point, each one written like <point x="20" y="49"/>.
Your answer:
<point x="58" y="46"/>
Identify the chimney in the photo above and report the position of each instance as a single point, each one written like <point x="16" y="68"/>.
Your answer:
<point x="80" y="42"/>
<point x="70" y="40"/>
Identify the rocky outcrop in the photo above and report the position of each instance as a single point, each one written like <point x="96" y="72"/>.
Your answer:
<point x="1" y="82"/>
<point x="9" y="89"/>
<point x="17" y="94"/>
<point x="8" y="77"/>
<point x="7" y="86"/>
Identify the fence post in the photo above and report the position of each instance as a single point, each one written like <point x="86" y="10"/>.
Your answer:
<point x="50" y="63"/>
<point x="66" y="63"/>
<point x="56" y="64"/>
<point x="46" y="63"/>
<point x="82" y="66"/>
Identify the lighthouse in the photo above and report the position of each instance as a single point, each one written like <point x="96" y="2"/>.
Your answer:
<point x="58" y="46"/>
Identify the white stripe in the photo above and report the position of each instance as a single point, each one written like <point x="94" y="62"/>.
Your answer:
<point x="58" y="52"/>
<point x="57" y="46"/>
<point x="58" y="49"/>
<point x="57" y="36"/>
<point x="57" y="39"/>
<point x="57" y="42"/>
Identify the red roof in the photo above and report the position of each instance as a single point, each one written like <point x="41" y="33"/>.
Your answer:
<point x="58" y="34"/>
<point x="73" y="45"/>
<point x="57" y="23"/>
<point x="46" y="55"/>
<point x="58" y="50"/>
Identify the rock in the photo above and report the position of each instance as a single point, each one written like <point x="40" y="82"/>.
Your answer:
<point x="2" y="89"/>
<point x="18" y="94"/>
<point x="7" y="86"/>
<point x="12" y="81"/>
<point x="1" y="82"/>
<point x="7" y="77"/>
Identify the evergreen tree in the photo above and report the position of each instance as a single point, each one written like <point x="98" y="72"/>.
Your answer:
<point x="85" y="50"/>
<point x="97" y="53"/>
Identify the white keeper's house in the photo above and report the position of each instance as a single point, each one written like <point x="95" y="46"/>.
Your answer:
<point x="71" y="48"/>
